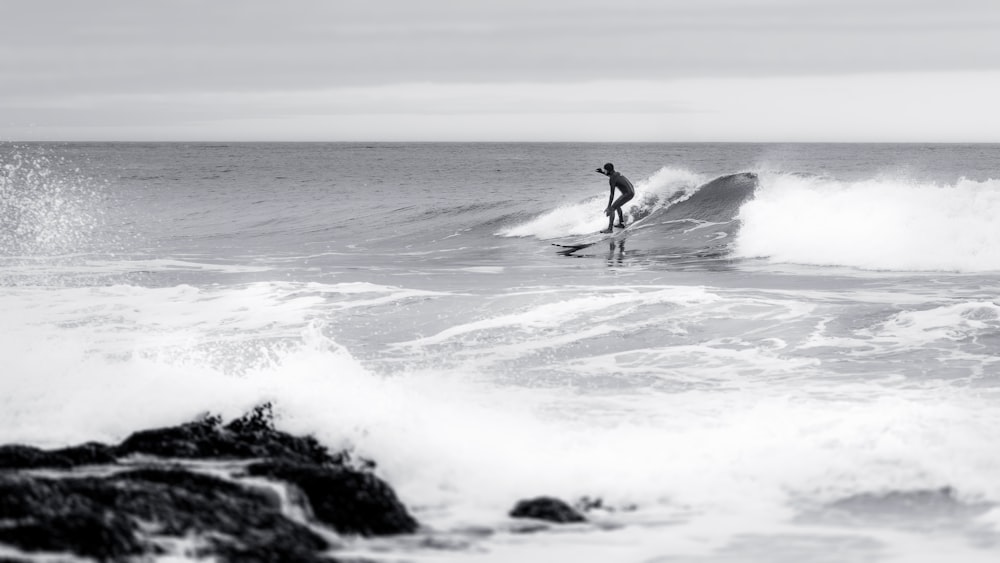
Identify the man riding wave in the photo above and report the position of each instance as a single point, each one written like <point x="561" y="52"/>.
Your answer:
<point x="616" y="180"/>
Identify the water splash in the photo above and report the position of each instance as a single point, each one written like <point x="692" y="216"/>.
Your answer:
<point x="47" y="207"/>
<point x="877" y="224"/>
<point x="663" y="188"/>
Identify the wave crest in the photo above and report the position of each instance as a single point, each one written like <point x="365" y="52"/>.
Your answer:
<point x="585" y="217"/>
<point x="878" y="224"/>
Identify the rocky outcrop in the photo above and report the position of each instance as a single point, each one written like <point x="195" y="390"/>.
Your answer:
<point x="348" y="501"/>
<point x="236" y="492"/>
<point x="27" y="457"/>
<point x="547" y="508"/>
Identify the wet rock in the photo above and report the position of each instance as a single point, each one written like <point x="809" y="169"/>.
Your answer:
<point x="547" y="508"/>
<point x="48" y="515"/>
<point x="27" y="457"/>
<point x="249" y="437"/>
<point x="99" y="516"/>
<point x="347" y="500"/>
<point x="125" y="508"/>
<point x="24" y="457"/>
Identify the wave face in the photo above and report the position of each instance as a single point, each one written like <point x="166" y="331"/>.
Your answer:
<point x="877" y="224"/>
<point x="702" y="223"/>
<point x="676" y="214"/>
<point x="584" y="217"/>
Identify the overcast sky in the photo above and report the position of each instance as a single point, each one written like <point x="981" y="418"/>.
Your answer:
<point x="581" y="70"/>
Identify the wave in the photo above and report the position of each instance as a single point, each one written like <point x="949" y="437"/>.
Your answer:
<point x="702" y="223"/>
<point x="783" y="217"/>
<point x="585" y="217"/>
<point x="876" y="224"/>
<point x="678" y="214"/>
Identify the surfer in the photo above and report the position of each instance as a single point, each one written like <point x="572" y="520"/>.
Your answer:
<point x="617" y="180"/>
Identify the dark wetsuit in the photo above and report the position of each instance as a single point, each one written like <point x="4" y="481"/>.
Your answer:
<point x="618" y="180"/>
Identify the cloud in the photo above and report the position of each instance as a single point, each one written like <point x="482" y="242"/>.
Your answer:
<point x="73" y="69"/>
<point x="860" y="107"/>
<point x="104" y="46"/>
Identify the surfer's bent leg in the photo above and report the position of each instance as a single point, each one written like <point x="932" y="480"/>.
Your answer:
<point x="617" y="206"/>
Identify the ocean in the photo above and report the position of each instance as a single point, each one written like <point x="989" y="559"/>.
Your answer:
<point x="792" y="357"/>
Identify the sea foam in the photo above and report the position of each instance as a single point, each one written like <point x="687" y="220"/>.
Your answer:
<point x="586" y="217"/>
<point x="878" y="224"/>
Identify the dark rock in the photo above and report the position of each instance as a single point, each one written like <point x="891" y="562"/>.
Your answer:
<point x="182" y="502"/>
<point x="348" y="500"/>
<point x="548" y="509"/>
<point x="27" y="457"/>
<point x="91" y="453"/>
<point x="97" y="517"/>
<point x="105" y="537"/>
<point x="259" y="420"/>
<point x="270" y="554"/>
<point x="249" y="437"/>
<point x="24" y="457"/>
<point x="46" y="515"/>
<point x="132" y="510"/>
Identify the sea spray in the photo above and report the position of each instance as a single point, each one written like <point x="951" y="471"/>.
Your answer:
<point x="664" y="187"/>
<point x="47" y="207"/>
<point x="876" y="224"/>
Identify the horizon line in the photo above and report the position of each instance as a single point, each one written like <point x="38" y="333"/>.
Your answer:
<point x="495" y="142"/>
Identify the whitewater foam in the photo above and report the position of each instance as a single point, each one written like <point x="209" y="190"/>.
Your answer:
<point x="878" y="224"/>
<point x="592" y="308"/>
<point x="585" y="217"/>
<point x="459" y="445"/>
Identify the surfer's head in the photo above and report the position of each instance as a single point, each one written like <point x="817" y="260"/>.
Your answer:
<point x="609" y="168"/>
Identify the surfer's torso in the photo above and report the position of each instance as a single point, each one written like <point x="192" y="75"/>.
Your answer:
<point x="618" y="180"/>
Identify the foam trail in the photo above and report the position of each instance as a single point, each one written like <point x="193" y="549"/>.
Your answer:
<point x="585" y="217"/>
<point x="879" y="224"/>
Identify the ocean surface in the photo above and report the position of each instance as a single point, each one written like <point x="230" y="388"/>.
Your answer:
<point x="794" y="356"/>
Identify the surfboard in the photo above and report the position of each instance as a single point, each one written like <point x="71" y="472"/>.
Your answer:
<point x="587" y="241"/>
